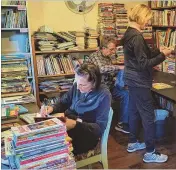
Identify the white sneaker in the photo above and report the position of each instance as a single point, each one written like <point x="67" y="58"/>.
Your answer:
<point x="155" y="157"/>
<point x="132" y="147"/>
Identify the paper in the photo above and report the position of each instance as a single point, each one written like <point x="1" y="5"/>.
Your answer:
<point x="160" y="86"/>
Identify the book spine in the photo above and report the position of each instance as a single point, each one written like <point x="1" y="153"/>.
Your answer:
<point x="43" y="162"/>
<point x="39" y="139"/>
<point x="43" y="157"/>
<point x="41" y="142"/>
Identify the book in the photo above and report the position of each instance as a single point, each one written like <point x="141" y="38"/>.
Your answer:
<point x="160" y="86"/>
<point x="37" y="127"/>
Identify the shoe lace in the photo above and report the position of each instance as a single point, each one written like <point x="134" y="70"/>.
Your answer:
<point x="157" y="153"/>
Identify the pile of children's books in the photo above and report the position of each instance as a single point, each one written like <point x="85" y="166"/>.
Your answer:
<point x="42" y="145"/>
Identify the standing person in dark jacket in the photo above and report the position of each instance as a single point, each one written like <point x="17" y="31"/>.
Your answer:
<point x="139" y="61"/>
<point x="86" y="106"/>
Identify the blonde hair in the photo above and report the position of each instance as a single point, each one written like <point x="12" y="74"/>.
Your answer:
<point x="140" y="14"/>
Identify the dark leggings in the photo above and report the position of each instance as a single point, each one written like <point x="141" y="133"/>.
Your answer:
<point x="82" y="140"/>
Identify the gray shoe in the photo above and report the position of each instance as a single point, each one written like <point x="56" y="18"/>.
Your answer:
<point x="132" y="147"/>
<point x="155" y="157"/>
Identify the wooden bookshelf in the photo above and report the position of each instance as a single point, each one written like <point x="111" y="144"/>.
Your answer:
<point x="163" y="8"/>
<point x="19" y="7"/>
<point x="56" y="91"/>
<point x="158" y="26"/>
<point x="56" y="75"/>
<point x="41" y="78"/>
<point x="65" y="51"/>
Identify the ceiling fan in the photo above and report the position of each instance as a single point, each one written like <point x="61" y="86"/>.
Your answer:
<point x="80" y="6"/>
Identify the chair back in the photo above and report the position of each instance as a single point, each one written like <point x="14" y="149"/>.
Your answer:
<point x="104" y="139"/>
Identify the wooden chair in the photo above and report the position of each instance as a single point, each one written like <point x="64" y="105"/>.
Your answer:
<point x="100" y="152"/>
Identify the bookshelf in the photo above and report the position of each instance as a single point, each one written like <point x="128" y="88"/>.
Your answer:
<point x="164" y="30"/>
<point x="16" y="53"/>
<point x="61" y="62"/>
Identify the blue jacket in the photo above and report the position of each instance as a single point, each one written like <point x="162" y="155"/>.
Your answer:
<point x="92" y="108"/>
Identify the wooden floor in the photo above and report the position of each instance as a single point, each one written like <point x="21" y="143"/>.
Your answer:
<point x="119" y="158"/>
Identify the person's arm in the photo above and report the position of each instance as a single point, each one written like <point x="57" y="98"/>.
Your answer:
<point x="142" y="58"/>
<point x="64" y="102"/>
<point x="102" y="112"/>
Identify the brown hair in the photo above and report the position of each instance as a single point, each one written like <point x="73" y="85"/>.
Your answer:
<point x="92" y="71"/>
<point x="107" y="40"/>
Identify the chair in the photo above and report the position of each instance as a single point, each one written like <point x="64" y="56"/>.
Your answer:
<point x="99" y="153"/>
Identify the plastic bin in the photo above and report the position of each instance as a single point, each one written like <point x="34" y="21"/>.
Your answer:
<point x="160" y="123"/>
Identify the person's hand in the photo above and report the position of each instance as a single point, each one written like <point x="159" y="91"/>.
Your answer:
<point x="167" y="51"/>
<point x="46" y="110"/>
<point x="70" y="123"/>
<point x="162" y="48"/>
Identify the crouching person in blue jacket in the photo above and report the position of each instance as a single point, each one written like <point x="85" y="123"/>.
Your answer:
<point x="86" y="106"/>
<point x="120" y="91"/>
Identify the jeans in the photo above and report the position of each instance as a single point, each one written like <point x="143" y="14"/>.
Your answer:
<point x="141" y="108"/>
<point x="122" y="94"/>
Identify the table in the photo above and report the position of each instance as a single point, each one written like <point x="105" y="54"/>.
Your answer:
<point x="161" y="77"/>
<point x="32" y="108"/>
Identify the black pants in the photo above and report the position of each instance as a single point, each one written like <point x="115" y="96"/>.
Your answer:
<point x="82" y="140"/>
<point x="141" y="108"/>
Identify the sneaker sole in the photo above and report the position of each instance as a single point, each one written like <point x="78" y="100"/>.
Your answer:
<point x="154" y="161"/>
<point x="130" y="151"/>
<point x="121" y="130"/>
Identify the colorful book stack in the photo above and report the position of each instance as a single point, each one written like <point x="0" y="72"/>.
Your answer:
<point x="147" y="32"/>
<point x="106" y="20"/>
<point x="42" y="145"/>
<point x="59" y="84"/>
<point x="91" y="38"/>
<point x="14" y="76"/>
<point x="121" y="19"/>
<point x="120" y="55"/>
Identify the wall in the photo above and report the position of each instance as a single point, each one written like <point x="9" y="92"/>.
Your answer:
<point x="56" y="15"/>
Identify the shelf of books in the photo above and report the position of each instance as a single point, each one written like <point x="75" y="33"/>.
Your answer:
<point x="55" y="57"/>
<point x="16" y="55"/>
<point x="164" y="30"/>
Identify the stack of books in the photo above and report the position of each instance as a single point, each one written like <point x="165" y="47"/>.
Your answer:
<point x="14" y="76"/>
<point x="147" y="32"/>
<point x="106" y="20"/>
<point x="54" y="85"/>
<point x="120" y="55"/>
<point x="91" y="38"/>
<point x="121" y="19"/>
<point x="80" y="39"/>
<point x="42" y="145"/>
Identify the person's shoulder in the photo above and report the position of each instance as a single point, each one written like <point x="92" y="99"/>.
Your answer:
<point x="96" y="53"/>
<point x="104" y="90"/>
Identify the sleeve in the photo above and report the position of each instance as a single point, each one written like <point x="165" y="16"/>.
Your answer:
<point x="97" y="128"/>
<point x="142" y="58"/>
<point x="103" y="68"/>
<point x="154" y="52"/>
<point x="64" y="102"/>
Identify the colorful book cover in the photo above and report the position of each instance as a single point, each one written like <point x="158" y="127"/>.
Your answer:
<point x="37" y="127"/>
